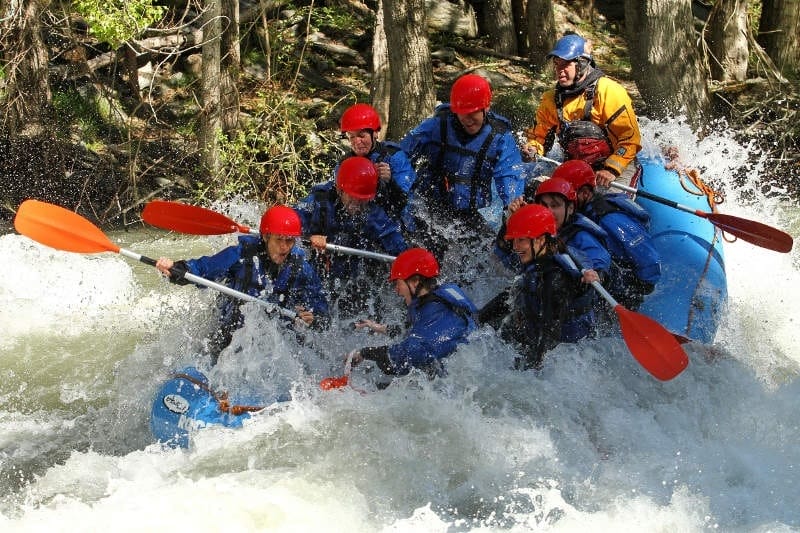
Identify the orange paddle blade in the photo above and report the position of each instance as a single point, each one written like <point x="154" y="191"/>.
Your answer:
<point x="753" y="232"/>
<point x="60" y="228"/>
<point x="189" y="219"/>
<point x="333" y="383"/>
<point x="656" y="349"/>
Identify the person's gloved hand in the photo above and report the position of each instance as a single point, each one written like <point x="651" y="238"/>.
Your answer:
<point x="178" y="272"/>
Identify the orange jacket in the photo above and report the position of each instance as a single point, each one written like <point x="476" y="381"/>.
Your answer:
<point x="611" y="110"/>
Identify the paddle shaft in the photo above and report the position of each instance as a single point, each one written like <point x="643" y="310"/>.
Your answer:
<point x="595" y="284"/>
<point x="659" y="199"/>
<point x="213" y="285"/>
<point x="332" y="247"/>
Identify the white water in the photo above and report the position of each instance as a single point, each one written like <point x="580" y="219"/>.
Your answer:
<point x="593" y="442"/>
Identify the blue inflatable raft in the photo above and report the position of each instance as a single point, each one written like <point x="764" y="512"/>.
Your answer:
<point x="692" y="293"/>
<point x="186" y="403"/>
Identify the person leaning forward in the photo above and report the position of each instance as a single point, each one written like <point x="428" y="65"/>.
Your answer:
<point x="591" y="115"/>
<point x="360" y="124"/>
<point x="270" y="266"/>
<point x="532" y="314"/>
<point x="440" y="317"/>
<point x="344" y="212"/>
<point x="635" y="260"/>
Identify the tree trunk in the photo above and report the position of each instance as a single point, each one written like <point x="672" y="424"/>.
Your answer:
<point x="541" y="30"/>
<point x="500" y="26"/>
<point x="726" y="34"/>
<point x="409" y="61"/>
<point x="25" y="56"/>
<point x="665" y="61"/>
<point x="518" y="10"/>
<point x="210" y="123"/>
<point x="230" y="66"/>
<point x="777" y="33"/>
<point x="381" y="75"/>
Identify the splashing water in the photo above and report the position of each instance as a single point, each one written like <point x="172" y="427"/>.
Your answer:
<point x="592" y="441"/>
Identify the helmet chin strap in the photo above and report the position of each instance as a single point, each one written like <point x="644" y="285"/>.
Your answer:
<point x="415" y="292"/>
<point x="542" y="248"/>
<point x="582" y="66"/>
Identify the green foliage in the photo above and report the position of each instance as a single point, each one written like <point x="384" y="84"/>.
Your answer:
<point x="336" y="20"/>
<point x="275" y="156"/>
<point x="518" y="106"/>
<point x="117" y="21"/>
<point x="73" y="109"/>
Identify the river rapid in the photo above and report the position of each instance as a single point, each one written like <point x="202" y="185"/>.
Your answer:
<point x="592" y="442"/>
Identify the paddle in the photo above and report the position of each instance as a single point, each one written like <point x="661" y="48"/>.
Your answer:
<point x="195" y="220"/>
<point x="62" y="229"/>
<point x="747" y="230"/>
<point x="655" y="348"/>
<point x="341" y="381"/>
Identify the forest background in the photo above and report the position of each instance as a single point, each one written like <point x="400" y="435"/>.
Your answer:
<point x="108" y="104"/>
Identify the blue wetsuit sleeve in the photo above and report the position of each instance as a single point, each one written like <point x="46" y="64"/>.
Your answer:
<point x="508" y="177"/>
<point x="593" y="254"/>
<point x="215" y="267"/>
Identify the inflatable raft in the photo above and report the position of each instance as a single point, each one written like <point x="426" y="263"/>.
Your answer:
<point x="692" y="293"/>
<point x="186" y="403"/>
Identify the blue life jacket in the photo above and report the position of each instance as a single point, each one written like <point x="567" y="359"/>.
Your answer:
<point x="626" y="224"/>
<point x="322" y="213"/>
<point x="457" y="170"/>
<point x="247" y="268"/>
<point x="439" y="322"/>
<point x="541" y="306"/>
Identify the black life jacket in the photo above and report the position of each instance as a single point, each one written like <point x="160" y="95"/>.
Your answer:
<point x="583" y="139"/>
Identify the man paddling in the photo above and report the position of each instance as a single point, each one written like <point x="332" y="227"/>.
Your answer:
<point x="635" y="261"/>
<point x="344" y="212"/>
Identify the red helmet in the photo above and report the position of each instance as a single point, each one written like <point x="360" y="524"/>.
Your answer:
<point x="414" y="261"/>
<point x="531" y="221"/>
<point x="577" y="172"/>
<point x="559" y="186"/>
<point x="360" y="117"/>
<point x="470" y="93"/>
<point x="358" y="177"/>
<point x="280" y="220"/>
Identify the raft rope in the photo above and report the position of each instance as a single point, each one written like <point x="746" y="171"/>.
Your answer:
<point x="693" y="183"/>
<point x="220" y="397"/>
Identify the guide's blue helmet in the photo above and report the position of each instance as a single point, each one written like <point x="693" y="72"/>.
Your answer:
<point x="569" y="48"/>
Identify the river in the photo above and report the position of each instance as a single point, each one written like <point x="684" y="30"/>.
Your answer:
<point x="592" y="442"/>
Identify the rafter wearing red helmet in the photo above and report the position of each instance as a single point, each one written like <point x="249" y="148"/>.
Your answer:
<point x="270" y="266"/>
<point x="635" y="261"/>
<point x="464" y="151"/>
<point x="532" y="314"/>
<point x="344" y="212"/>
<point x="440" y="317"/>
<point x="359" y="124"/>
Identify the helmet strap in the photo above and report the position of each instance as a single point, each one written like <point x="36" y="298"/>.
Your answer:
<point x="581" y="67"/>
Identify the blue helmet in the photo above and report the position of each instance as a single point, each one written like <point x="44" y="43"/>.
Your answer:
<point x="570" y="47"/>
